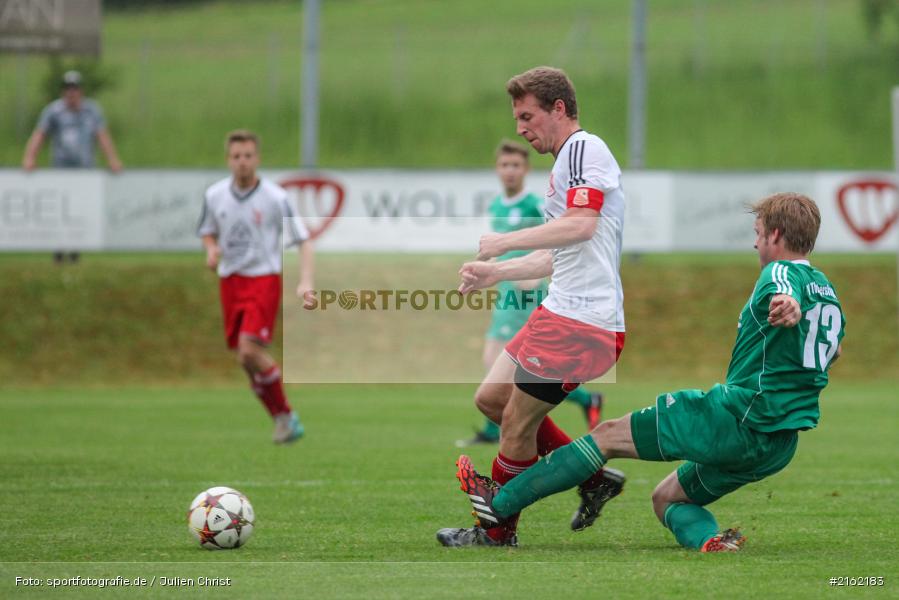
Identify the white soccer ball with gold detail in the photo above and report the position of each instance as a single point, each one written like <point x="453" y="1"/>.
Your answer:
<point x="221" y="518"/>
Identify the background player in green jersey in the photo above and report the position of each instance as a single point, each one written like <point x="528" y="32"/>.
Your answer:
<point x="788" y="335"/>
<point x="512" y="210"/>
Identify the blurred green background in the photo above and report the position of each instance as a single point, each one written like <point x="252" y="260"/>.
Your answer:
<point x="743" y="84"/>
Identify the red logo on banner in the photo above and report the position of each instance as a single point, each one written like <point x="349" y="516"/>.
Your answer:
<point x="870" y="208"/>
<point x="319" y="201"/>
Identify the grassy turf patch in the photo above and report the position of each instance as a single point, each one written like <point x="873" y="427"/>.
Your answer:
<point x="96" y="478"/>
<point x="155" y="319"/>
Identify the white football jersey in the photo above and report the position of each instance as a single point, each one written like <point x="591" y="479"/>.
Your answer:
<point x="249" y="226"/>
<point x="586" y="284"/>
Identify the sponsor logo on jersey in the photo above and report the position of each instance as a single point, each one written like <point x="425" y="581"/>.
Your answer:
<point x="669" y="400"/>
<point x="534" y="360"/>
<point x="238" y="239"/>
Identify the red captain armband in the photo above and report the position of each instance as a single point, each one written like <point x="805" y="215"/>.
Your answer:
<point x="584" y="197"/>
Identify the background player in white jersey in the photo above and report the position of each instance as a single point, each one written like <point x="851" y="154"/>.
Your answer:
<point x="241" y="227"/>
<point x="578" y="332"/>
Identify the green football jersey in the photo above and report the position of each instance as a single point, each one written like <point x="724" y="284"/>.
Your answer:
<point x="785" y="367"/>
<point x="512" y="214"/>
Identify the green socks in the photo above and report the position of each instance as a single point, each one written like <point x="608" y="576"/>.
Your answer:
<point x="580" y="396"/>
<point x="559" y="470"/>
<point x="491" y="429"/>
<point x="691" y="524"/>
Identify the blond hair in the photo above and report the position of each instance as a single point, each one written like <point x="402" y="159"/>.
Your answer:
<point x="241" y="135"/>
<point x="511" y="147"/>
<point x="547" y="84"/>
<point x="795" y="215"/>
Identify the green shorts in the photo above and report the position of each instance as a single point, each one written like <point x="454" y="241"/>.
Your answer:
<point x="513" y="309"/>
<point x="721" y="454"/>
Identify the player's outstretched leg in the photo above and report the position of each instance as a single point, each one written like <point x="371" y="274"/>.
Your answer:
<point x="594" y="492"/>
<point x="566" y="467"/>
<point x="480" y="490"/>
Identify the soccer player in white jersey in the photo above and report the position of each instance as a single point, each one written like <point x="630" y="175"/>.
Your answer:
<point x="578" y="332"/>
<point x="241" y="227"/>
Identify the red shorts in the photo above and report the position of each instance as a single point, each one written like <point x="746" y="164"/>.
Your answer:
<point x="551" y="346"/>
<point x="250" y="307"/>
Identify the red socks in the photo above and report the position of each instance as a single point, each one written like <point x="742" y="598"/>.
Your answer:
<point x="504" y="469"/>
<point x="268" y="388"/>
<point x="550" y="437"/>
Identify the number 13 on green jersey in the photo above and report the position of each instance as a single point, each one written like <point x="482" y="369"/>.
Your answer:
<point x="785" y="367"/>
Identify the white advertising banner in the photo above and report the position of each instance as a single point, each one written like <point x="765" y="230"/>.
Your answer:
<point x="51" y="210"/>
<point x="862" y="211"/>
<point x="430" y="211"/>
<point x="649" y="211"/>
<point x="712" y="209"/>
<point x="445" y="210"/>
<point x="859" y="211"/>
<point x="423" y="211"/>
<point x="155" y="210"/>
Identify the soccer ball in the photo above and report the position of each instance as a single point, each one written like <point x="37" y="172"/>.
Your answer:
<point x="221" y="518"/>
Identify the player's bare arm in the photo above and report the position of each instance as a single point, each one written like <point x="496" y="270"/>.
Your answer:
<point x="213" y="251"/>
<point x="574" y="226"/>
<point x="784" y="311"/>
<point x="478" y="275"/>
<point x="528" y="284"/>
<point x="307" y="274"/>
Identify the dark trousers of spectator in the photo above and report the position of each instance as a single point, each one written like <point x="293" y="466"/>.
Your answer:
<point x="60" y="257"/>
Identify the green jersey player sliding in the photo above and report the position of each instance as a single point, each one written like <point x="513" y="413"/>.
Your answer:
<point x="736" y="433"/>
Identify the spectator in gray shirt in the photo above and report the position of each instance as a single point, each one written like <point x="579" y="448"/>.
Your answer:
<point x="72" y="122"/>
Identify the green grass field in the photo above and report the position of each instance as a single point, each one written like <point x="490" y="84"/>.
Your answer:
<point x="119" y="404"/>
<point x="738" y="84"/>
<point x="96" y="483"/>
